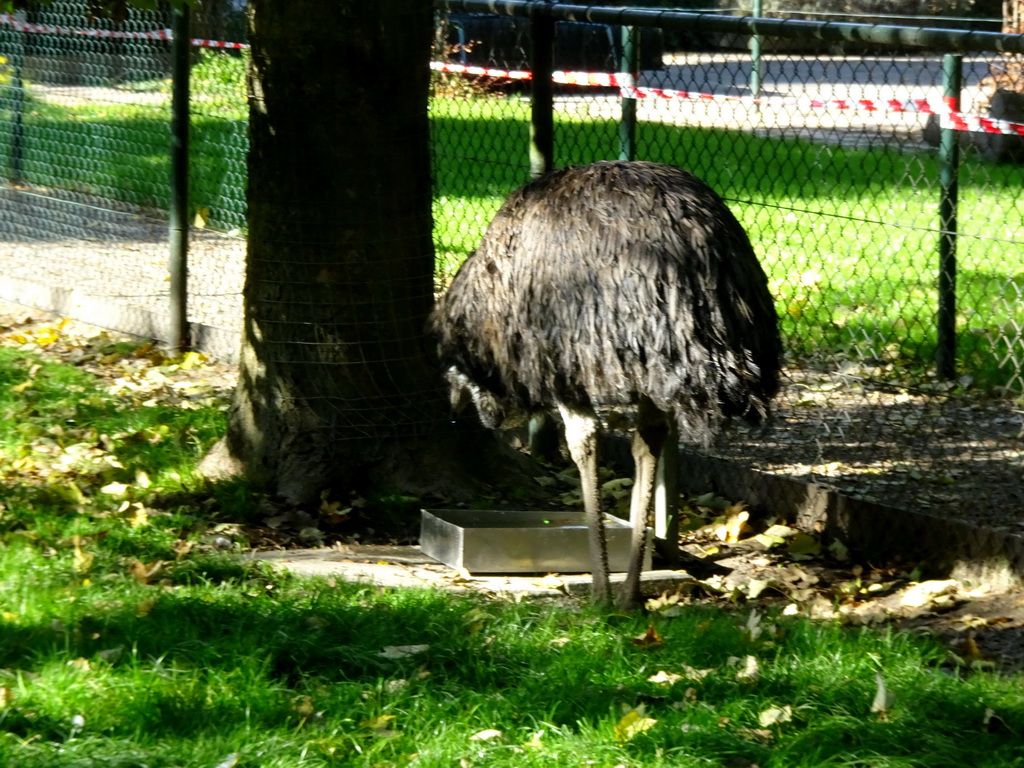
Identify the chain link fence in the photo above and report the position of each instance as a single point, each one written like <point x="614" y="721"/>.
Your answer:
<point x="85" y="114"/>
<point x="838" y="155"/>
<point x="829" y="154"/>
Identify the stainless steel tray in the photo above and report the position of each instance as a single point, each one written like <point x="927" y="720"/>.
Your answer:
<point x="508" y="541"/>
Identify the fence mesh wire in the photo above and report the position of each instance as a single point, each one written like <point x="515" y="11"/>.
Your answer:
<point x="832" y="166"/>
<point x="85" y="112"/>
<point x="838" y="189"/>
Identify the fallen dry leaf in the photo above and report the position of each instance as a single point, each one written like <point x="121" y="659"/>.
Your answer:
<point x="664" y="600"/>
<point x="669" y="604"/>
<point x="757" y="586"/>
<point x="144" y="607"/>
<point x="755" y="734"/>
<point x="735" y="524"/>
<point x="992" y="722"/>
<point x="781" y="531"/>
<point x="487" y="734"/>
<point x="378" y="723"/>
<point x="838" y="550"/>
<point x="183" y="547"/>
<point x="82" y="561"/>
<point x="144" y="572"/>
<point x="803" y="546"/>
<point x="753" y="625"/>
<point x="775" y="716"/>
<point x="649" y="639"/>
<point x="967" y="654"/>
<point x="550" y="581"/>
<point x="632" y="724"/>
<point x="970" y="621"/>
<point x="535" y="741"/>
<point x="925" y="592"/>
<point x="883" y="698"/>
<point x="137" y="515"/>
<point x="692" y="673"/>
<point x="115" y="489"/>
<point x="402" y="651"/>
<point x="661" y="677"/>
<point x="749" y="671"/>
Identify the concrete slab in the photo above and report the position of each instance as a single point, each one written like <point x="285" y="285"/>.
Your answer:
<point x="407" y="566"/>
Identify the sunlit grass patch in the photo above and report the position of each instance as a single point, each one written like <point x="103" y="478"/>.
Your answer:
<point x="311" y="673"/>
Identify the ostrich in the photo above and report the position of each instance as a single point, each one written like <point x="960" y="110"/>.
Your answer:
<point x="617" y="294"/>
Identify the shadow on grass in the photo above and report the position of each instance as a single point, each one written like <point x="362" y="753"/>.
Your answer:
<point x="246" y="648"/>
<point x="314" y="635"/>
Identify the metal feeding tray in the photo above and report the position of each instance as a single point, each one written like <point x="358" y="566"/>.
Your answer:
<point x="507" y="541"/>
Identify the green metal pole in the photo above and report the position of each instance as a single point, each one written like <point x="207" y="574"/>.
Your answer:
<point x="949" y="168"/>
<point x="629" y="63"/>
<point x="17" y="156"/>
<point x="542" y="107"/>
<point x="832" y="32"/>
<point x="177" y="261"/>
<point x="755" y="58"/>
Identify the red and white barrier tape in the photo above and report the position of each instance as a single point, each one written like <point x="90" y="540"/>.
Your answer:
<point x="626" y="84"/>
<point x="951" y="118"/>
<point x="110" y="34"/>
<point x="23" y="26"/>
<point x="215" y="44"/>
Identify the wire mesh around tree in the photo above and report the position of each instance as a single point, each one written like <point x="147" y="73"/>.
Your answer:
<point x="84" y="144"/>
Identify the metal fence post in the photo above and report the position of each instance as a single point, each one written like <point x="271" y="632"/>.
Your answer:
<point x="949" y="168"/>
<point x="542" y="109"/>
<point x="755" y="59"/>
<point x="17" y="157"/>
<point x="629" y="63"/>
<point x="177" y="260"/>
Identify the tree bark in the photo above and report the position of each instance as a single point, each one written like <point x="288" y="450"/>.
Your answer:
<point x="336" y="379"/>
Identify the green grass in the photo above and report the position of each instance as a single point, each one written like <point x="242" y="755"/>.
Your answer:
<point x="848" y="236"/>
<point x="120" y="154"/>
<point x="215" y="661"/>
<point x="290" y="673"/>
<point x="64" y="438"/>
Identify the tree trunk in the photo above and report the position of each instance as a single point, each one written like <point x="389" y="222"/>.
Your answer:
<point x="336" y="377"/>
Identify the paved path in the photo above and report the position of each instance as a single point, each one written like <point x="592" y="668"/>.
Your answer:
<point x="792" y="77"/>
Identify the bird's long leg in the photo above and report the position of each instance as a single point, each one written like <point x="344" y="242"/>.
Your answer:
<point x="666" y="496"/>
<point x="648" y="443"/>
<point x="581" y="428"/>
